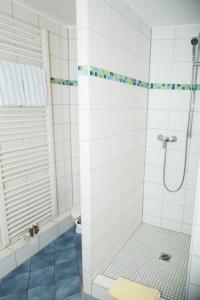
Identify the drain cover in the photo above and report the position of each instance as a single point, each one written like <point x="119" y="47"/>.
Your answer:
<point x="165" y="257"/>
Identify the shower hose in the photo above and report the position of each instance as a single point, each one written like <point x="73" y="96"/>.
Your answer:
<point x="188" y="132"/>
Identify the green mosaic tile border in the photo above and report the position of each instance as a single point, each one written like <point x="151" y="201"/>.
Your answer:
<point x="109" y="75"/>
<point x="106" y="74"/>
<point x="173" y="86"/>
<point x="64" y="81"/>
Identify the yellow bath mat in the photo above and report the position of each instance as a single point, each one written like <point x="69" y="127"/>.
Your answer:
<point x="124" y="289"/>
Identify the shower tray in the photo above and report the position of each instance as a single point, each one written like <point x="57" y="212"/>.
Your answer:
<point x="156" y="257"/>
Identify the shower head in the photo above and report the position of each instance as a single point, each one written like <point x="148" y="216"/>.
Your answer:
<point x="194" y="41"/>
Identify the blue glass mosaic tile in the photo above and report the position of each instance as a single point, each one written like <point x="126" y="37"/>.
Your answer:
<point x="109" y="75"/>
<point x="64" y="81"/>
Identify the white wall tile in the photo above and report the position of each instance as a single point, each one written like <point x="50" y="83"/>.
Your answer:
<point x="159" y="99"/>
<point x="153" y="191"/>
<point x="156" y="221"/>
<point x="182" y="72"/>
<point x="49" y="25"/>
<point x="195" y="270"/>
<point x="161" y="72"/>
<point x="171" y="225"/>
<point x="163" y="33"/>
<point x="183" y="50"/>
<point x="119" y="29"/>
<point x="54" y="43"/>
<point x="100" y="10"/>
<point x="188" y="215"/>
<point x="162" y="50"/>
<point x="194" y="292"/>
<point x="7" y="262"/>
<point x="6" y="6"/>
<point x="72" y="50"/>
<point x="152" y="207"/>
<point x="172" y="212"/>
<point x="25" y="14"/>
<point x="55" y="67"/>
<point x="187" y="31"/>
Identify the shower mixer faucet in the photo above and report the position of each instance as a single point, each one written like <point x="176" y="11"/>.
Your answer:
<point x="166" y="139"/>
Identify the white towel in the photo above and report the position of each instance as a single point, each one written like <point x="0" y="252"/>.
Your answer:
<point x="35" y="89"/>
<point x="11" y="85"/>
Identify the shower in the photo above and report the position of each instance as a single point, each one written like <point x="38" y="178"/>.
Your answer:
<point x="165" y="140"/>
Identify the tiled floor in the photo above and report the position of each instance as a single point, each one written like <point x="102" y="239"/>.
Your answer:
<point x="139" y="260"/>
<point x="54" y="273"/>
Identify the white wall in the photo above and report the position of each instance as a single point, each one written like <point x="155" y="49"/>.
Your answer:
<point x="74" y="116"/>
<point x="194" y="269"/>
<point x="64" y="98"/>
<point x="112" y="129"/>
<point x="171" y="62"/>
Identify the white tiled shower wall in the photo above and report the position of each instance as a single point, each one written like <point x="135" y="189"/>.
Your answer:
<point x="112" y="129"/>
<point x="63" y="65"/>
<point x="194" y="270"/>
<point x="171" y="57"/>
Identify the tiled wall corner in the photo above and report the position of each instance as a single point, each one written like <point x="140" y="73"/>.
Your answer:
<point x="194" y="266"/>
<point x="171" y="57"/>
<point x="112" y="146"/>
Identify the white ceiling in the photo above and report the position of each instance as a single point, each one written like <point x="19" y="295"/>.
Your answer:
<point x="167" y="12"/>
<point x="154" y="12"/>
<point x="63" y="11"/>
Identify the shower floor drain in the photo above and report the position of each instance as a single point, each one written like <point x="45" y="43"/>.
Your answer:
<point x="165" y="257"/>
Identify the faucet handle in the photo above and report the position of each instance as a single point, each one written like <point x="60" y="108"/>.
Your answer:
<point x="160" y="138"/>
<point x="173" y="139"/>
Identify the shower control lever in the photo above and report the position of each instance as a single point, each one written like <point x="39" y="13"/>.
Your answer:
<point x="166" y="139"/>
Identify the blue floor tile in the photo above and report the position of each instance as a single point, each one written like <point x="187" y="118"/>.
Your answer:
<point x="79" y="297"/>
<point x="41" y="277"/>
<point x="48" y="249"/>
<point x="24" y="268"/>
<point x="16" y="296"/>
<point x="78" y="246"/>
<point x="88" y="297"/>
<point x="75" y="297"/>
<point x="65" y="255"/>
<point x="12" y="284"/>
<point x="63" y="243"/>
<point x="79" y="254"/>
<point x="42" y="260"/>
<point x="69" y="232"/>
<point x="66" y="270"/>
<point x="67" y="287"/>
<point x="52" y="274"/>
<point x="45" y="292"/>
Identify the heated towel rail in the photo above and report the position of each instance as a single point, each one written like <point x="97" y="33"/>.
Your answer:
<point x="27" y="168"/>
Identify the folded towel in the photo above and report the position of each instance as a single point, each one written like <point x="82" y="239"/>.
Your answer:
<point x="35" y="89"/>
<point x="11" y="85"/>
<point x="124" y="289"/>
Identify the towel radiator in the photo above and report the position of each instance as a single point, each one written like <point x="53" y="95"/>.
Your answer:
<point x="27" y="167"/>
